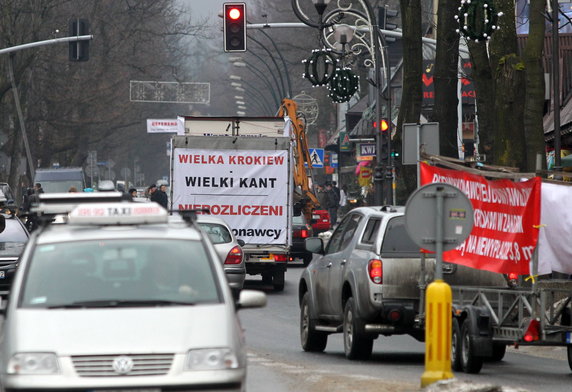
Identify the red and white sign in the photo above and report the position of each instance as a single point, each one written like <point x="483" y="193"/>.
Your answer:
<point x="164" y="126"/>
<point x="246" y="188"/>
<point x="506" y="219"/>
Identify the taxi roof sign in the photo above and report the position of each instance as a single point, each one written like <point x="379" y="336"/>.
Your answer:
<point x="118" y="214"/>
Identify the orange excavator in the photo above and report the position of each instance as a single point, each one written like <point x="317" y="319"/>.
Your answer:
<point x="304" y="197"/>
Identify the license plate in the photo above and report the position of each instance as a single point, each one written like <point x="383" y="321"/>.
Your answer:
<point x="2" y="274"/>
<point x="569" y="337"/>
<point x="266" y="259"/>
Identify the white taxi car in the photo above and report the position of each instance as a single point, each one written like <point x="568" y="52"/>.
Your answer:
<point x="122" y="298"/>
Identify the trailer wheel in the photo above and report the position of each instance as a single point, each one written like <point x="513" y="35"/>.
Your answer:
<point x="312" y="340"/>
<point x="356" y="344"/>
<point x="456" y="346"/>
<point x="469" y="362"/>
<point x="569" y="347"/>
<point x="499" y="350"/>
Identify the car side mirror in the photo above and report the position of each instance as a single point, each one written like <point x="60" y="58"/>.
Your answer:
<point x="250" y="299"/>
<point x="241" y="242"/>
<point x="314" y="245"/>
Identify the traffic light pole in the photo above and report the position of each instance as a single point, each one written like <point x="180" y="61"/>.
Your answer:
<point x="16" y="48"/>
<point x="46" y="42"/>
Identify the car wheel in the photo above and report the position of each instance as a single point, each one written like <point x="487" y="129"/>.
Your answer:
<point x="456" y="346"/>
<point x="470" y="363"/>
<point x="499" y="350"/>
<point x="312" y="340"/>
<point x="356" y="344"/>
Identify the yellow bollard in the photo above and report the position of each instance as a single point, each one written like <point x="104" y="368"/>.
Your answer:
<point x="437" y="333"/>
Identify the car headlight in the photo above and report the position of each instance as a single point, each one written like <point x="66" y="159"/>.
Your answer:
<point x="211" y="359"/>
<point x="33" y="363"/>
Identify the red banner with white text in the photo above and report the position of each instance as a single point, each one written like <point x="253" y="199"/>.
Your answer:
<point x="506" y="219"/>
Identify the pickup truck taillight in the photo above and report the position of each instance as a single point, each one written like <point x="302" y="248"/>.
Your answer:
<point x="234" y="256"/>
<point x="375" y="270"/>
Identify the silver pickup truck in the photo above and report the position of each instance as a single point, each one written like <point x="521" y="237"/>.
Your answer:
<point x="369" y="280"/>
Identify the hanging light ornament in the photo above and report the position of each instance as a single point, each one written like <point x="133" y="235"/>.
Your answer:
<point x="320" y="66"/>
<point x="343" y="85"/>
<point x="477" y="19"/>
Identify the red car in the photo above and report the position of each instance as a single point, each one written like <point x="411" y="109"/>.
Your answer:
<point x="320" y="221"/>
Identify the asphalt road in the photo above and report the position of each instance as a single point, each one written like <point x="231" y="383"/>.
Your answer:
<point x="277" y="362"/>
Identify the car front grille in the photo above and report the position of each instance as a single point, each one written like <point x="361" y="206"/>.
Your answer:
<point x="7" y="260"/>
<point x="102" y="365"/>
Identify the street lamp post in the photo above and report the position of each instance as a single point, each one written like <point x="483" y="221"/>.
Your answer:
<point x="373" y="41"/>
<point x="263" y="77"/>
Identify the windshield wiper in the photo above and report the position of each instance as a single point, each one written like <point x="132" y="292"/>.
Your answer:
<point x="114" y="303"/>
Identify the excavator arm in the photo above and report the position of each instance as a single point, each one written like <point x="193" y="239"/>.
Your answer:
<point x="303" y="166"/>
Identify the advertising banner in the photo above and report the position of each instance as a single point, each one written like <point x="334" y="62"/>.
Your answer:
<point x="246" y="188"/>
<point x="163" y="126"/>
<point x="506" y="219"/>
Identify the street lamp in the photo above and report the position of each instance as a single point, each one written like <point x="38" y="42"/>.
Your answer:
<point x="235" y="84"/>
<point x="238" y="97"/>
<point x="371" y="39"/>
<point x="240" y="103"/>
<point x="241" y="107"/>
<point x="263" y="77"/>
<point x="240" y="113"/>
<point x="234" y="77"/>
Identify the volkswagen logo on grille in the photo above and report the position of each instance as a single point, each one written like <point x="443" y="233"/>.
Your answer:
<point x="122" y="365"/>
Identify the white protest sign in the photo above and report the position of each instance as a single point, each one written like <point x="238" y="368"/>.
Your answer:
<point x="247" y="188"/>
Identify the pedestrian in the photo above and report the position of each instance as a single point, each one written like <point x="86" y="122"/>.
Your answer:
<point x="152" y="188"/>
<point x="72" y="189"/>
<point x="38" y="188"/>
<point x="336" y="189"/>
<point x="160" y="196"/>
<point x="332" y="203"/>
<point x="343" y="199"/>
<point x="133" y="193"/>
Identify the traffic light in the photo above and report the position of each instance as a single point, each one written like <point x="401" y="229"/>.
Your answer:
<point x="384" y="125"/>
<point x="234" y="27"/>
<point x="384" y="16"/>
<point x="79" y="50"/>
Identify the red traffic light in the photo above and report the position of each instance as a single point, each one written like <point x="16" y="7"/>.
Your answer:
<point x="234" y="13"/>
<point x="234" y="27"/>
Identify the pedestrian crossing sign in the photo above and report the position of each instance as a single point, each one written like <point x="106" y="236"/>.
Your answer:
<point x="316" y="157"/>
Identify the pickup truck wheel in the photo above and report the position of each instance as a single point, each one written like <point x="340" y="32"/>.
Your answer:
<point x="267" y="278"/>
<point x="499" y="350"/>
<point x="456" y="346"/>
<point x="356" y="344"/>
<point x="470" y="363"/>
<point x="311" y="339"/>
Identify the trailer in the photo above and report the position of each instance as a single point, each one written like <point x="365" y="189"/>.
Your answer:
<point x="487" y="320"/>
<point x="535" y="308"/>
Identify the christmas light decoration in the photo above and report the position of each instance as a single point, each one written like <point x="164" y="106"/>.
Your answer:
<point x="477" y="19"/>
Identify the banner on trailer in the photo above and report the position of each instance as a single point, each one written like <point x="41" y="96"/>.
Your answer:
<point x="248" y="189"/>
<point x="506" y="216"/>
<point x="554" y="245"/>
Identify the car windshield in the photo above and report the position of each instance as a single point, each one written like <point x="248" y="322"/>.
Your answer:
<point x="217" y="233"/>
<point x="136" y="272"/>
<point x="13" y="238"/>
<point x="298" y="220"/>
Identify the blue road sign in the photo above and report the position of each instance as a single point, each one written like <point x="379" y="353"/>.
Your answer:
<point x="317" y="157"/>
